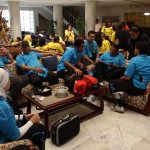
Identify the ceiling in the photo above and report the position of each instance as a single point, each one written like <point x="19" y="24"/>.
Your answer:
<point x="39" y="3"/>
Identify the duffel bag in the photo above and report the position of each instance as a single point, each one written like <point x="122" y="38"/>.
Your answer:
<point x="92" y="83"/>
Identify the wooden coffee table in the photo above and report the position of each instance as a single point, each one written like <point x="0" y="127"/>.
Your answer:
<point x="53" y="104"/>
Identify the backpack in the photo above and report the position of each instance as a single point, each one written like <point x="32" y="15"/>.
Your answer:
<point x="92" y="83"/>
<point x="70" y="80"/>
<point x="80" y="87"/>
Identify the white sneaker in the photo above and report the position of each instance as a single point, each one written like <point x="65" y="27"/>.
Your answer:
<point x="90" y="98"/>
<point x="120" y="95"/>
<point x="101" y="83"/>
<point x="117" y="108"/>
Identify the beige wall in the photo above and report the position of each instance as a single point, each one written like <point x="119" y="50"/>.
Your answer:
<point x="120" y="11"/>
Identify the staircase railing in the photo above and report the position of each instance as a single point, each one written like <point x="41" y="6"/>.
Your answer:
<point x="69" y="17"/>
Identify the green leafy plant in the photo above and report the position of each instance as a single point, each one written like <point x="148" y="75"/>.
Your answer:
<point x="80" y="26"/>
<point x="51" y="27"/>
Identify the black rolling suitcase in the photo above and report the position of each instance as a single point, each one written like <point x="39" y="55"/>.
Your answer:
<point x="64" y="129"/>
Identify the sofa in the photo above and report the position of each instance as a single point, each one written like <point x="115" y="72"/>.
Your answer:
<point x="15" y="144"/>
<point x="140" y="104"/>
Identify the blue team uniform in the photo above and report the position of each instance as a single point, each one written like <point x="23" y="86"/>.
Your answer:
<point x="9" y="130"/>
<point x="31" y="60"/>
<point x="90" y="47"/>
<point x="117" y="60"/>
<point x="3" y="61"/>
<point x="72" y="56"/>
<point x="139" y="70"/>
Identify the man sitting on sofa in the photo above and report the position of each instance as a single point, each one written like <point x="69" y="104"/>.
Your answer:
<point x="110" y="65"/>
<point x="135" y="79"/>
<point x="29" y="63"/>
<point x="70" y="62"/>
<point x="17" y="82"/>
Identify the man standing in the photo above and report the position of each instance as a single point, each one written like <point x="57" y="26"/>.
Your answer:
<point x="28" y="62"/>
<point x="97" y="26"/>
<point x="136" y="36"/>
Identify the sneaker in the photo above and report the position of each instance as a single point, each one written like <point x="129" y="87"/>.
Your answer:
<point x="116" y="95"/>
<point x="117" y="108"/>
<point x="101" y="84"/>
<point x="90" y="98"/>
<point x="120" y="95"/>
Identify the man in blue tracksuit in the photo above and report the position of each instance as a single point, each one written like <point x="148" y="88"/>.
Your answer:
<point x="136" y="76"/>
<point x="71" y="60"/>
<point x="110" y="65"/>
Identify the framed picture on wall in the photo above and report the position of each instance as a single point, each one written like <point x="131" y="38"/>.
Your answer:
<point x="111" y="18"/>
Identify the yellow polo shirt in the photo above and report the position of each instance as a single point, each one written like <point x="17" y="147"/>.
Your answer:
<point x="69" y="36"/>
<point x="45" y="48"/>
<point x="55" y="47"/>
<point x="105" y="46"/>
<point x="107" y="31"/>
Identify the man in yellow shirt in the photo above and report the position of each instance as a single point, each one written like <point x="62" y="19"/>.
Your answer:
<point x="55" y="47"/>
<point x="42" y="44"/>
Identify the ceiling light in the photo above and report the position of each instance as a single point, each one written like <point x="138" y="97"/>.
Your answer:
<point x="146" y="14"/>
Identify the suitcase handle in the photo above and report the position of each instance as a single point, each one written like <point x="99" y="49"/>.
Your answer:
<point x="66" y="118"/>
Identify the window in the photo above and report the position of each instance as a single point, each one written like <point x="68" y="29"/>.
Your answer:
<point x="26" y="18"/>
<point x="5" y="14"/>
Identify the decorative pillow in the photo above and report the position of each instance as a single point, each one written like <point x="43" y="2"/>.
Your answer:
<point x="50" y="63"/>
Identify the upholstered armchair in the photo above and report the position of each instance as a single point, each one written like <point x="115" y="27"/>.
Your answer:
<point x="139" y="104"/>
<point x="15" y="144"/>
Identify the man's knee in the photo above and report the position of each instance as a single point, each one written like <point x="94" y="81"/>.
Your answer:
<point x="24" y="81"/>
<point x="15" y="81"/>
<point x="53" y="78"/>
<point x="99" y="64"/>
<point x="35" y="81"/>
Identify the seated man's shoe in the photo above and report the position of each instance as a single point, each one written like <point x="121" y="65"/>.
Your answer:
<point x="117" y="108"/>
<point x="120" y="95"/>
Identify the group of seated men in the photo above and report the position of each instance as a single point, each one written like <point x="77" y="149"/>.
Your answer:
<point x="109" y="66"/>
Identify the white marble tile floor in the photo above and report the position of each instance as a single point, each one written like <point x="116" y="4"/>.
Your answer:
<point x="110" y="131"/>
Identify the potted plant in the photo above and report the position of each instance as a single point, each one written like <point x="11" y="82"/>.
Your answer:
<point x="80" y="26"/>
<point x="51" y="27"/>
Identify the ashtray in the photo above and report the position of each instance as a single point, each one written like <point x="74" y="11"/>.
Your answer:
<point x="61" y="92"/>
<point x="62" y="87"/>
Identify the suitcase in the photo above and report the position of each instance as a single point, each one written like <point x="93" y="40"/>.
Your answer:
<point x="64" y="129"/>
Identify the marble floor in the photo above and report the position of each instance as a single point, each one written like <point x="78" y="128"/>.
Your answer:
<point x="110" y="131"/>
